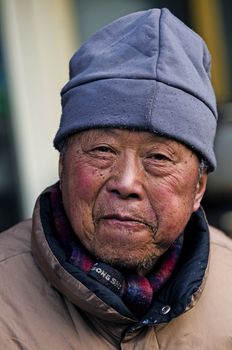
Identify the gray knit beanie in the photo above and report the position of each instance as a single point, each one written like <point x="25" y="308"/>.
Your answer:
<point x="145" y="71"/>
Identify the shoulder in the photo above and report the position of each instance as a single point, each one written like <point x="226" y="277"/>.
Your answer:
<point x="220" y="262"/>
<point x="16" y="240"/>
<point x="220" y="241"/>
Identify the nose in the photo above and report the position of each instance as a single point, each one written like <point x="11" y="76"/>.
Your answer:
<point x="126" y="181"/>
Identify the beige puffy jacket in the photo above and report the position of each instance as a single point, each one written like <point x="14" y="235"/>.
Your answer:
<point x="45" y="307"/>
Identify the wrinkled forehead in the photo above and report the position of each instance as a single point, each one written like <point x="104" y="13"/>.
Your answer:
<point x="125" y="137"/>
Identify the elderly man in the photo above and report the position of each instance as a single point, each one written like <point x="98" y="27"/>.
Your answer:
<point x="120" y="255"/>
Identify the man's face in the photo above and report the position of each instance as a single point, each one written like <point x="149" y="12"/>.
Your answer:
<point x="128" y="195"/>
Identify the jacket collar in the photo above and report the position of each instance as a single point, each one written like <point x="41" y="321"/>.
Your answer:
<point x="178" y="295"/>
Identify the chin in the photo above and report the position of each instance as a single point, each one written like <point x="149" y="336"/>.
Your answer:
<point x="128" y="262"/>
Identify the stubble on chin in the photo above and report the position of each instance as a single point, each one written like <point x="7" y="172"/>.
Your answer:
<point x="140" y="262"/>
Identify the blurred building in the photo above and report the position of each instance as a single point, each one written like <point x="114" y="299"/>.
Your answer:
<point x="37" y="38"/>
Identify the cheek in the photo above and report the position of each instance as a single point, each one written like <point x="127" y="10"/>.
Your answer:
<point x="173" y="205"/>
<point x="82" y="183"/>
<point x="76" y="195"/>
<point x="178" y="190"/>
<point x="85" y="184"/>
<point x="80" y="187"/>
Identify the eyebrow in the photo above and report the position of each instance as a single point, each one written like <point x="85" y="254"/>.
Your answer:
<point x="150" y="136"/>
<point x="159" y="139"/>
<point x="111" y="131"/>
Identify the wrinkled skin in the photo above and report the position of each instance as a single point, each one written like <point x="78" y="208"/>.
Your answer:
<point x="128" y="195"/>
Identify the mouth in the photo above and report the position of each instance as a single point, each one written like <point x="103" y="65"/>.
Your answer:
<point x="118" y="217"/>
<point x="124" y="220"/>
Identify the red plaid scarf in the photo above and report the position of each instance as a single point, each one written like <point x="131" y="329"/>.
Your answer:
<point x="136" y="291"/>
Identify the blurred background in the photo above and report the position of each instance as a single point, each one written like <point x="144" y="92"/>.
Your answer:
<point x="37" y="38"/>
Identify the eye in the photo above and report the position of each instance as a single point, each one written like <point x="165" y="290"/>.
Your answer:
<point x="103" y="149"/>
<point x="103" y="152"/>
<point x="159" y="157"/>
<point x="159" y="163"/>
<point x="100" y="155"/>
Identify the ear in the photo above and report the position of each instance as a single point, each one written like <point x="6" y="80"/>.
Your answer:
<point x="200" y="190"/>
